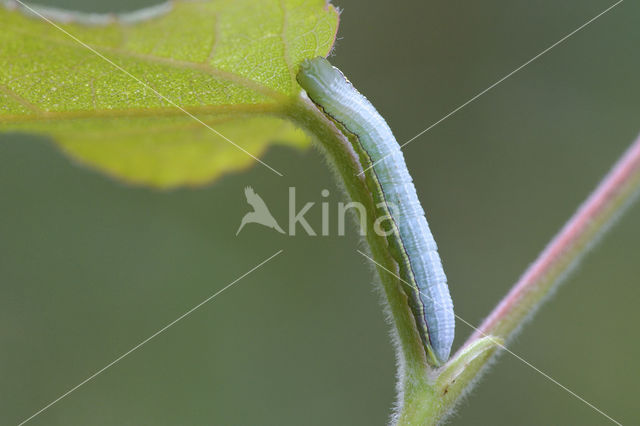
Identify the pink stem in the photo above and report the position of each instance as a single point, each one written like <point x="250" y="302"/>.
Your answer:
<point x="608" y="200"/>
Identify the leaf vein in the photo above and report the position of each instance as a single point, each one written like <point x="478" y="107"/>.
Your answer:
<point x="285" y="44"/>
<point x="206" y="68"/>
<point x="21" y="100"/>
<point x="139" y="112"/>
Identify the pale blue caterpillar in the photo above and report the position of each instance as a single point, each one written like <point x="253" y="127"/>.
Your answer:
<point x="412" y="243"/>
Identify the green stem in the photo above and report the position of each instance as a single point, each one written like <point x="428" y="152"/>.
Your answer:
<point x="424" y="395"/>
<point x="414" y="383"/>
<point x="427" y="395"/>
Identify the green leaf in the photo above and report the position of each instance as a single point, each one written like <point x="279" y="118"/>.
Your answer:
<point x="230" y="63"/>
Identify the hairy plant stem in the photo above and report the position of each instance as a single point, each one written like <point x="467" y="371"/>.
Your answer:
<point x="426" y="395"/>
<point x="609" y="200"/>
<point x="414" y="383"/>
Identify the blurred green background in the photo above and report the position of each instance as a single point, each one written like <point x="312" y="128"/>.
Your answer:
<point x="89" y="267"/>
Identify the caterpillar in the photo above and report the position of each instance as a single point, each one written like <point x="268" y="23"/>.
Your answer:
<point x="412" y="244"/>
